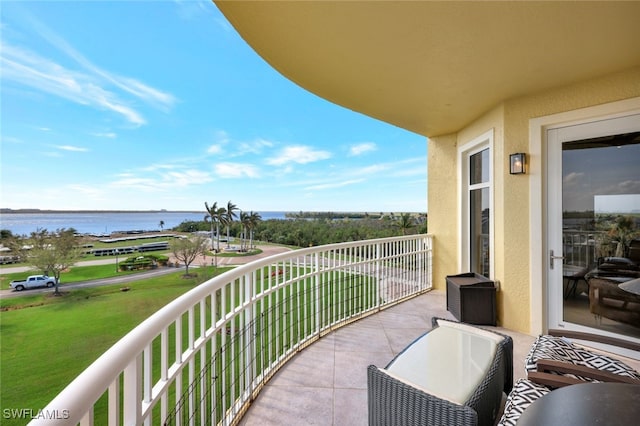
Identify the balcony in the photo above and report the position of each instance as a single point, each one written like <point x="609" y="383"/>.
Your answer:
<point x="205" y="357"/>
<point x="282" y="340"/>
<point x="326" y="384"/>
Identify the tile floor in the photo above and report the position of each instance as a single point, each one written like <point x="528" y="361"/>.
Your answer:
<point x="326" y="383"/>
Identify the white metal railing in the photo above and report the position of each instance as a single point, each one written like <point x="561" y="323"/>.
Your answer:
<point x="204" y="357"/>
<point x="582" y="248"/>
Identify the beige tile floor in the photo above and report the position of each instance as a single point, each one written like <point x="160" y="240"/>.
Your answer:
<point x="326" y="383"/>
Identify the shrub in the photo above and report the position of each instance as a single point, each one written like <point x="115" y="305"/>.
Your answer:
<point x="143" y="262"/>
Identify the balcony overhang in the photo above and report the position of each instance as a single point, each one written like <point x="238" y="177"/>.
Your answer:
<point x="433" y="67"/>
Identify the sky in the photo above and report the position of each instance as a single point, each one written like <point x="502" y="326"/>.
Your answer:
<point x="138" y="105"/>
<point x="603" y="179"/>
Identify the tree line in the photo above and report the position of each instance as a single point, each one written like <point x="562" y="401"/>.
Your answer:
<point x="225" y="216"/>
<point x="308" y="232"/>
<point x="53" y="252"/>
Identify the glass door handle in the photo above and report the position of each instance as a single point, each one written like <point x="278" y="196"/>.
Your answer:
<point x="552" y="258"/>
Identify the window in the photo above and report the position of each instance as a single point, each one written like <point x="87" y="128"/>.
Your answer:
<point x="477" y="195"/>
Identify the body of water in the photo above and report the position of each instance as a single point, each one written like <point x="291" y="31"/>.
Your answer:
<point x="103" y="223"/>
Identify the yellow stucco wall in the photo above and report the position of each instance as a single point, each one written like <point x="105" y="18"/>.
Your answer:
<point x="510" y="123"/>
<point x="442" y="200"/>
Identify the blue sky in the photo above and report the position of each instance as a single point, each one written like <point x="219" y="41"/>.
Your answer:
<point x="161" y="105"/>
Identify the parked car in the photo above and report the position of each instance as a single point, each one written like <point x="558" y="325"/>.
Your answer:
<point x="33" y="281"/>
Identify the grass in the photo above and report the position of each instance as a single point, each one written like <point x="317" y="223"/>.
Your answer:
<point x="251" y="252"/>
<point x="47" y="341"/>
<point x="76" y="274"/>
<point x="97" y="244"/>
<point x="128" y="243"/>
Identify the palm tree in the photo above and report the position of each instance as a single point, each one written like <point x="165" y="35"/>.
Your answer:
<point x="622" y="231"/>
<point x="244" y="220"/>
<point x="162" y="225"/>
<point x="252" y="222"/>
<point x="221" y="219"/>
<point x="211" y="217"/>
<point x="405" y="222"/>
<point x="231" y="215"/>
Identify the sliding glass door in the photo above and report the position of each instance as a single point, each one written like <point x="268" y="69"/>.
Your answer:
<point x="593" y="196"/>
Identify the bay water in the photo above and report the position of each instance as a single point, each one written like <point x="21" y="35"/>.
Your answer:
<point x="104" y="223"/>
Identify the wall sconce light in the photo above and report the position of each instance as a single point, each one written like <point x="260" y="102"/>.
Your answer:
<point x="517" y="163"/>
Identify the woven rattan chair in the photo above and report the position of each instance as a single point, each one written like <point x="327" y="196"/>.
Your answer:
<point x="394" y="401"/>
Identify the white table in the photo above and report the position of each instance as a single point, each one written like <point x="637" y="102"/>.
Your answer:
<point x="448" y="362"/>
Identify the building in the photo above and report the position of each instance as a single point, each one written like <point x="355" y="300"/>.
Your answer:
<point x="481" y="81"/>
<point x="556" y="81"/>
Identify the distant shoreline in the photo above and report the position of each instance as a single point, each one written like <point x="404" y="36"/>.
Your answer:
<point x="28" y="211"/>
<point x="301" y="213"/>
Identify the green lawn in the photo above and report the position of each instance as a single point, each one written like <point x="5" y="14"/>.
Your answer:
<point x="47" y="341"/>
<point x="76" y="274"/>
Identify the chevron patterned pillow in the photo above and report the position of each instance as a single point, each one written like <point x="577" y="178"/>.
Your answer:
<point x="523" y="394"/>
<point x="560" y="349"/>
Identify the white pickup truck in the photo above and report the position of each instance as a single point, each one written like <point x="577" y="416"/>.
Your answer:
<point x="33" y="281"/>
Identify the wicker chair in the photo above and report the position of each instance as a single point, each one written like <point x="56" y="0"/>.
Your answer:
<point x="394" y="400"/>
<point x="607" y="300"/>
<point x="553" y="362"/>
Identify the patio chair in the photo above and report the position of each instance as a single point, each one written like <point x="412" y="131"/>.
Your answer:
<point x="554" y="362"/>
<point x="406" y="393"/>
<point x="573" y="277"/>
<point x="553" y="350"/>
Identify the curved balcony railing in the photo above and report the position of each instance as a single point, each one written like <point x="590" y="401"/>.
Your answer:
<point x="205" y="356"/>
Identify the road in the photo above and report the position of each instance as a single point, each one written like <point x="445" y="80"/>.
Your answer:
<point x="208" y="260"/>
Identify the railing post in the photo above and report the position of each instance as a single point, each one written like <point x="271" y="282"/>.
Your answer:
<point x="378" y="275"/>
<point x="147" y="378"/>
<point x="132" y="392"/>
<point x="429" y="240"/>
<point x="114" y="403"/>
<point x="249" y="331"/>
<point x="317" y="292"/>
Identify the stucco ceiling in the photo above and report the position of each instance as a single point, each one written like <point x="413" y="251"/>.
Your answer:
<point x="432" y="67"/>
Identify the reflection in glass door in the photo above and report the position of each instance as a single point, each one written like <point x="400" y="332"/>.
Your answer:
<point x="601" y="232"/>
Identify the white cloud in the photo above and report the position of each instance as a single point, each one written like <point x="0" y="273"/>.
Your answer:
<point x="161" y="100"/>
<point x="124" y="175"/>
<point x="401" y="168"/>
<point x="88" y="85"/>
<point x="237" y="148"/>
<point x="298" y="154"/>
<point x="409" y="171"/>
<point x="88" y="191"/>
<point x="187" y="178"/>
<point x="141" y="184"/>
<point x="236" y="170"/>
<point x="214" y="149"/>
<point x="221" y="138"/>
<point x="362" y="148"/>
<point x="130" y="85"/>
<point x="71" y="148"/>
<point x="42" y="74"/>
<point x="155" y="167"/>
<point x="371" y="170"/>
<point x="333" y="185"/>
<point x="191" y="9"/>
<point x="10" y="139"/>
<point x="629" y="187"/>
<point x="162" y="182"/>
<point x="572" y="178"/>
<point x="110" y="135"/>
<point x="252" y="147"/>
